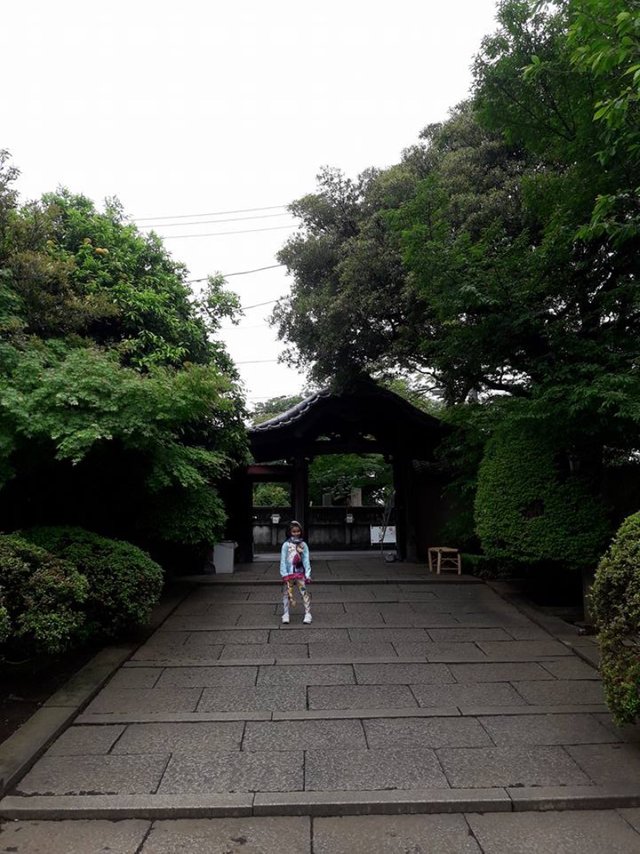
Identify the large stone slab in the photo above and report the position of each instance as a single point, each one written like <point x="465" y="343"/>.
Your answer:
<point x="425" y="732"/>
<point x="469" y="635"/>
<point x="371" y="609"/>
<point x="207" y="677"/>
<point x="264" y="835"/>
<point x="304" y="735"/>
<point x="86" y="740"/>
<point x="582" y="832"/>
<point x="73" y="837"/>
<point x="313" y="674"/>
<point x="524" y="650"/>
<point x="609" y="763"/>
<point x="546" y="729"/>
<point x="443" y="652"/>
<point x="510" y="766"/>
<point x="180" y="737"/>
<point x="96" y="775"/>
<point x="499" y="672"/>
<point x="570" y="668"/>
<point x="468" y="694"/>
<point x="240" y="771"/>
<point x="527" y="631"/>
<point x="139" y="677"/>
<point x="391" y="635"/>
<point x="223" y="636"/>
<point x="308" y="634"/>
<point x="343" y="621"/>
<point x="146" y="700"/>
<point x="402" y="674"/>
<point x="632" y="816"/>
<point x="360" y="697"/>
<point x="351" y="650"/>
<point x="202" y="623"/>
<point x="161" y="656"/>
<point x="253" y="651"/>
<point x="338" y="770"/>
<point x="561" y="693"/>
<point x="226" y="698"/>
<point x="394" y="834"/>
<point x="628" y="732"/>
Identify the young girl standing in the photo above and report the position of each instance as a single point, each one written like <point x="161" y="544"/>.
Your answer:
<point x="295" y="571"/>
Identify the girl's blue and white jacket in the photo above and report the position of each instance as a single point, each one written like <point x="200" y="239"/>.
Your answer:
<point x="287" y="568"/>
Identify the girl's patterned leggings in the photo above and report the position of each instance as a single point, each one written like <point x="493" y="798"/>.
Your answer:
<point x="288" y="594"/>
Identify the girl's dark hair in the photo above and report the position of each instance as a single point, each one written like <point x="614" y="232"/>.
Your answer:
<point x="294" y="524"/>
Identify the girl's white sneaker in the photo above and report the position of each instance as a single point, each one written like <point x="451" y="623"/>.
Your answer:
<point x="307" y="618"/>
<point x="285" y="618"/>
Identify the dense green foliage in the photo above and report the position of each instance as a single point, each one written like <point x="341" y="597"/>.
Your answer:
<point x="499" y="262"/>
<point x="271" y="495"/>
<point x="338" y="474"/>
<point x="530" y="507"/>
<point x="615" y="602"/>
<point x="119" y="410"/>
<point x="5" y="624"/>
<point x="123" y="582"/>
<point x="42" y="598"/>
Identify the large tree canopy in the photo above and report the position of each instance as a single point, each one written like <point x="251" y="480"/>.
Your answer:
<point x="499" y="258"/>
<point x="119" y="409"/>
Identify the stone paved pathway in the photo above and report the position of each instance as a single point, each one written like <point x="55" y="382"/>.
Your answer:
<point x="406" y="690"/>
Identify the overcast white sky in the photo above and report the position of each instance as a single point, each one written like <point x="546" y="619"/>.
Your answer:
<point x="194" y="107"/>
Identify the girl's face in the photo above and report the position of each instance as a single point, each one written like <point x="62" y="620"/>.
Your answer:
<point x="296" y="532"/>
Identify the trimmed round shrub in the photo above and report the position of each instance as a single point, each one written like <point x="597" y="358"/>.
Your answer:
<point x="615" y="604"/>
<point x="530" y="508"/>
<point x="43" y="598"/>
<point x="124" y="583"/>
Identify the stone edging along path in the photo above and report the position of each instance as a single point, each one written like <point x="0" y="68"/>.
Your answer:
<point x="34" y="803"/>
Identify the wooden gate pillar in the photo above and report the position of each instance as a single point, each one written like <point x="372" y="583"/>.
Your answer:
<point x="301" y="492"/>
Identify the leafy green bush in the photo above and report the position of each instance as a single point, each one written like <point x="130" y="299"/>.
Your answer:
<point x="192" y="517"/>
<point x="615" y="604"/>
<point x="42" y="598"/>
<point x="124" y="583"/>
<point x="529" y="509"/>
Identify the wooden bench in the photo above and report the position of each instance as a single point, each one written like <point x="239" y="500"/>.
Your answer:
<point x="444" y="559"/>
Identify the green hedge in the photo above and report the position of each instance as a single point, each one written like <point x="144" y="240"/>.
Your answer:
<point x="42" y="598"/>
<point x="530" y="508"/>
<point x="615" y="604"/>
<point x="123" y="582"/>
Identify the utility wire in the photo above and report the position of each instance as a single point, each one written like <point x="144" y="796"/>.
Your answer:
<point x="221" y="233"/>
<point x="211" y="213"/>
<point x="258" y="304"/>
<point x="257" y="362"/>
<point x="240" y="273"/>
<point x="213" y="221"/>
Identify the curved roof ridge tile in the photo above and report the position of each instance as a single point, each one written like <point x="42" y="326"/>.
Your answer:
<point x="293" y="414"/>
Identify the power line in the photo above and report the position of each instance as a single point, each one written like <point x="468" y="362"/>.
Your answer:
<point x="211" y="213"/>
<point x="210" y="221"/>
<point x="221" y="233"/>
<point x="258" y="304"/>
<point x="240" y="273"/>
<point x="257" y="362"/>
